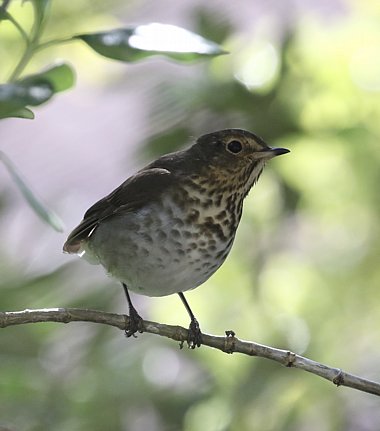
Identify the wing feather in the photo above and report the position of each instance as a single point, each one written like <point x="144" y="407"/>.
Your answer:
<point x="146" y="186"/>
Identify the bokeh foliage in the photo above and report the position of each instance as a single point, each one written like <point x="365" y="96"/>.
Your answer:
<point x="303" y="275"/>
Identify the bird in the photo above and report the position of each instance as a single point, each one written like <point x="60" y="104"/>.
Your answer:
<point x="170" y="226"/>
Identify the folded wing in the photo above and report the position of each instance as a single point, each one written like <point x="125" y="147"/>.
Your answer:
<point x="146" y="186"/>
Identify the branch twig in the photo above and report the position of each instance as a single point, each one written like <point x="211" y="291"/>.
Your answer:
<point x="4" y="5"/>
<point x="228" y="344"/>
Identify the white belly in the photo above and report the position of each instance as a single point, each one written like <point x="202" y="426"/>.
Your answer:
<point x="154" y="254"/>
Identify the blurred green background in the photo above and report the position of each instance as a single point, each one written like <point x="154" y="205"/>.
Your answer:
<point x="304" y="273"/>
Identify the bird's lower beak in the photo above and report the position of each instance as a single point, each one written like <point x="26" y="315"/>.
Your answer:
<point x="269" y="153"/>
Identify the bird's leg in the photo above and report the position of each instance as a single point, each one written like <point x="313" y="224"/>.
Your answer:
<point x="135" y="320"/>
<point x="194" y="338"/>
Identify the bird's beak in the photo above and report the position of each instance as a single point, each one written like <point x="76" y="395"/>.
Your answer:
<point x="269" y="153"/>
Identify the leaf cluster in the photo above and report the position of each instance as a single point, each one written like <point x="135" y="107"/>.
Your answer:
<point x="128" y="45"/>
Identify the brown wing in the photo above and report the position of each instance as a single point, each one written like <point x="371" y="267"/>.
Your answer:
<point x="146" y="186"/>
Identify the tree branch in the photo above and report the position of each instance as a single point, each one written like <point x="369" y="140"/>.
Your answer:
<point x="228" y="343"/>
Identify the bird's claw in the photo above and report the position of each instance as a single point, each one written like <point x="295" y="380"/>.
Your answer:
<point x="194" y="336"/>
<point x="229" y="343"/>
<point x="135" y="324"/>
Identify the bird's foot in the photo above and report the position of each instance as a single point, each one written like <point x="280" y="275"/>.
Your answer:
<point x="135" y="324"/>
<point x="194" y="336"/>
<point x="229" y="343"/>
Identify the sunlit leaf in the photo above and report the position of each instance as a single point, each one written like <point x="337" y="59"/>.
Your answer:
<point x="136" y="43"/>
<point x="40" y="209"/>
<point x="34" y="90"/>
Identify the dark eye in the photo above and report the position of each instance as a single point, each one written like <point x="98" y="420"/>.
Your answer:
<point x="234" y="147"/>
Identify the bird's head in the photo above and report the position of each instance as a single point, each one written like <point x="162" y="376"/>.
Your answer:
<point x="235" y="155"/>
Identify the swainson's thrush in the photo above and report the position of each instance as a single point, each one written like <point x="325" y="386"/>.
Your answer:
<point x="170" y="226"/>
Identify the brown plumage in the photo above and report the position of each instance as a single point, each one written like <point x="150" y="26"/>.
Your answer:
<point x="170" y="226"/>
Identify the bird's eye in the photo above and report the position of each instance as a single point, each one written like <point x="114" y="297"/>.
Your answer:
<point x="234" y="147"/>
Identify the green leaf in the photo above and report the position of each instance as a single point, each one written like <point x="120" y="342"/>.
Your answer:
<point x="60" y="76"/>
<point x="40" y="209"/>
<point x="24" y="113"/>
<point x="132" y="44"/>
<point x="15" y="96"/>
<point x="34" y="90"/>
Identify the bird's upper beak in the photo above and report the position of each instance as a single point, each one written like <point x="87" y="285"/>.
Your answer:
<point x="269" y="153"/>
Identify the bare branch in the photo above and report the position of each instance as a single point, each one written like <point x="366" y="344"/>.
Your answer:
<point x="228" y="343"/>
